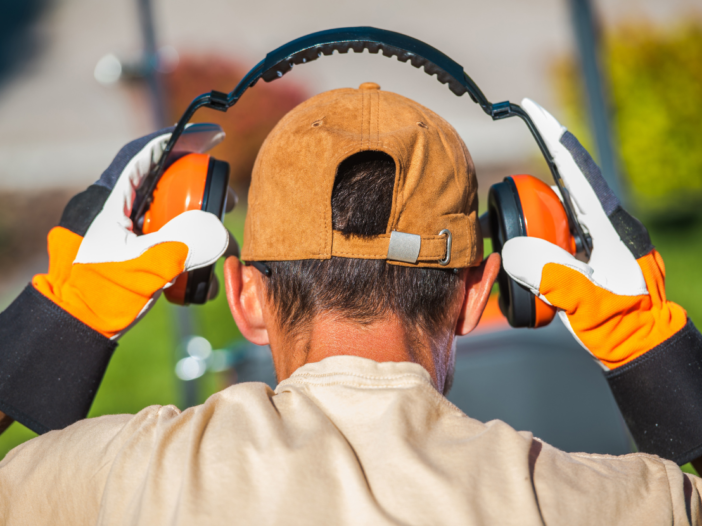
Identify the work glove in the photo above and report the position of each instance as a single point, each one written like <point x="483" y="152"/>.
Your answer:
<point x="100" y="271"/>
<point x="57" y="337"/>
<point x="615" y="304"/>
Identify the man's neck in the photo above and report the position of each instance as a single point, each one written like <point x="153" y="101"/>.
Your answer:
<point x="383" y="341"/>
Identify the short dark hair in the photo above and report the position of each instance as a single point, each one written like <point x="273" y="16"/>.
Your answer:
<point x="361" y="290"/>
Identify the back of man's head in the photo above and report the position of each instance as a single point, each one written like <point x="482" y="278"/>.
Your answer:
<point x="363" y="207"/>
<point x="362" y="290"/>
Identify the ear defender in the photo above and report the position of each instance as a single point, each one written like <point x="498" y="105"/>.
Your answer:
<point x="523" y="205"/>
<point x="195" y="181"/>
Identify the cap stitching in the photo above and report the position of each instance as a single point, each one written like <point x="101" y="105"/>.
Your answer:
<point x="370" y="119"/>
<point x="363" y="118"/>
<point x="377" y="116"/>
<point x="370" y="256"/>
<point x="424" y="238"/>
<point x="327" y="212"/>
<point x="384" y="256"/>
<point x="252" y="204"/>
<point x="471" y="255"/>
<point x="377" y="133"/>
<point x="395" y="193"/>
<point x="430" y="257"/>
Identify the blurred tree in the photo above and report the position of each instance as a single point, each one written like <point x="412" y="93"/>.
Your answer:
<point x="656" y="92"/>
<point x="247" y="124"/>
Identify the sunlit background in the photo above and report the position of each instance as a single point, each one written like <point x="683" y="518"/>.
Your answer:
<point x="80" y="78"/>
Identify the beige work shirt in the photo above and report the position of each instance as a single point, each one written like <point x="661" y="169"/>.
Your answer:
<point x="343" y="441"/>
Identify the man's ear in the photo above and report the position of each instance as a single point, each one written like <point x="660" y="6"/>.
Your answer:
<point x="246" y="296"/>
<point x="479" y="282"/>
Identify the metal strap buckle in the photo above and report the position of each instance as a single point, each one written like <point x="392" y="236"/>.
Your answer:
<point x="445" y="261"/>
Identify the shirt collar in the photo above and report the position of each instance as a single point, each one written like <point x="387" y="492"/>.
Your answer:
<point x="357" y="370"/>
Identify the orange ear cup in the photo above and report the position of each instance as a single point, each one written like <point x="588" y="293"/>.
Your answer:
<point x="545" y="218"/>
<point x="181" y="188"/>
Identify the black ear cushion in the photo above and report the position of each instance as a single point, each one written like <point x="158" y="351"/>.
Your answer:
<point x="507" y="221"/>
<point x="213" y="201"/>
<point x="198" y="285"/>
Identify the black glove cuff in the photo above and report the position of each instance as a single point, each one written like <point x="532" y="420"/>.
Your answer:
<point x="51" y="364"/>
<point x="660" y="397"/>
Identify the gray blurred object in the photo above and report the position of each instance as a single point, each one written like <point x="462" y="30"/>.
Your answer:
<point x="587" y="38"/>
<point x="18" y="41"/>
<point x="147" y="67"/>
<point x="151" y="61"/>
<point x="188" y="384"/>
<point x="541" y="381"/>
<point x="250" y="363"/>
<point x="535" y="380"/>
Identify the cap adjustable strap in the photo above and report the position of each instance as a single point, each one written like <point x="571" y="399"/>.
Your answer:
<point x="397" y="246"/>
<point x="404" y="247"/>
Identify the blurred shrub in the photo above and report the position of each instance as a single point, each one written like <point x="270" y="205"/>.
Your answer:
<point x="656" y="91"/>
<point x="247" y="124"/>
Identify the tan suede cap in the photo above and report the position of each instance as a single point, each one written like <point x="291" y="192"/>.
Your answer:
<point x="434" y="218"/>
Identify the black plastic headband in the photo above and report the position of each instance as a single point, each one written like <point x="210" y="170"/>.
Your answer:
<point x="310" y="47"/>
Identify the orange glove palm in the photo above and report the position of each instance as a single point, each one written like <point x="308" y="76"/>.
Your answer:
<point x="106" y="296"/>
<point x="615" y="328"/>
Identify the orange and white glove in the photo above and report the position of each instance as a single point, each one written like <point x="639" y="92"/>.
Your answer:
<point x="100" y="271"/>
<point x="615" y="304"/>
<point x="57" y="337"/>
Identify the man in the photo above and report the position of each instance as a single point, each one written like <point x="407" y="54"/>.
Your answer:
<point x="366" y="263"/>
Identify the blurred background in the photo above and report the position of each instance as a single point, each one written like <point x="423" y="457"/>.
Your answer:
<point x="80" y="78"/>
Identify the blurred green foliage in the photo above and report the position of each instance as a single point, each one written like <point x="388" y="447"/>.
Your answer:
<point x="655" y="77"/>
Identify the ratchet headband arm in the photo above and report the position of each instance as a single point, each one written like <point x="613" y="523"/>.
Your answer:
<point x="310" y="47"/>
